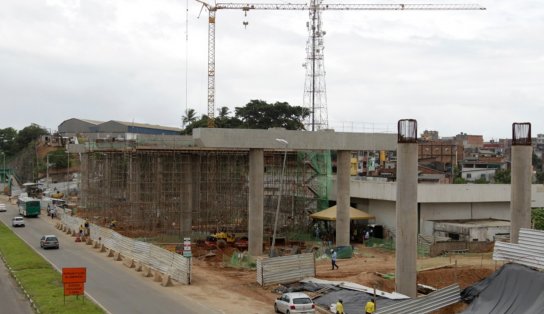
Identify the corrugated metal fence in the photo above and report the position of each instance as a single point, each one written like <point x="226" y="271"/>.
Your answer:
<point x="429" y="303"/>
<point x="285" y="269"/>
<point x="529" y="251"/>
<point x="175" y="265"/>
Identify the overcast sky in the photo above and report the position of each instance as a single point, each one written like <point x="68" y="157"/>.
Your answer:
<point x="453" y="71"/>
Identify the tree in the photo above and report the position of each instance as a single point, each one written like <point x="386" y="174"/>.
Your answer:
<point x="502" y="176"/>
<point x="7" y="141"/>
<point x="258" y="114"/>
<point x="189" y="117"/>
<point x="537" y="164"/>
<point x="538" y="218"/>
<point x="195" y="124"/>
<point x="27" y="135"/>
<point x="58" y="159"/>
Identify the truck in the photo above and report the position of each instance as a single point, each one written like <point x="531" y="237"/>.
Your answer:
<point x="29" y="207"/>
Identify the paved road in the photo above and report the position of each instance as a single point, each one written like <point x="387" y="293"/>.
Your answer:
<point x="118" y="289"/>
<point x="12" y="299"/>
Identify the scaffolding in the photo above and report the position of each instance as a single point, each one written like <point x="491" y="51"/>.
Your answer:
<point x="153" y="193"/>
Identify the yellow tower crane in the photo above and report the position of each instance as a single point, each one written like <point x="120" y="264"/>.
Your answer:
<point x="314" y="6"/>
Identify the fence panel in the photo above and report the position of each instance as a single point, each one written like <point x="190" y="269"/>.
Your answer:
<point x="285" y="269"/>
<point x="157" y="258"/>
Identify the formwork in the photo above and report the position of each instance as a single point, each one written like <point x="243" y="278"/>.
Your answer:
<point x="163" y="193"/>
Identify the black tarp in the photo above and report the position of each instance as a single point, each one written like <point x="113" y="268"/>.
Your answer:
<point x="513" y="289"/>
<point x="354" y="301"/>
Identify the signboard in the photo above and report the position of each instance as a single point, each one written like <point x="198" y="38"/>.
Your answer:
<point x="187" y="247"/>
<point x="74" y="281"/>
<point x="74" y="288"/>
<point x="76" y="274"/>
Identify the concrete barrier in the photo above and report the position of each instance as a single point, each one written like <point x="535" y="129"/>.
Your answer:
<point x="111" y="253"/>
<point x="102" y="248"/>
<point x="138" y="267"/>
<point x="157" y="276"/>
<point x="96" y="244"/>
<point x="166" y="281"/>
<point x="117" y="256"/>
<point x="128" y="262"/>
<point x="146" y="271"/>
<point x="88" y="241"/>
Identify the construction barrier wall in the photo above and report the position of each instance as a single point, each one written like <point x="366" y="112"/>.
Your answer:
<point x="439" y="248"/>
<point x="158" y="259"/>
<point x="285" y="269"/>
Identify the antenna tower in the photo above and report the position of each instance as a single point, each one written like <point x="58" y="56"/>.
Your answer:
<point x="315" y="89"/>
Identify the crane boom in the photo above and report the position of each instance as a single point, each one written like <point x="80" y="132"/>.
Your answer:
<point x="212" y="10"/>
<point x="343" y="7"/>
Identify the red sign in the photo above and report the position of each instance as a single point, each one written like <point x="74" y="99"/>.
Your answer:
<point x="74" y="288"/>
<point x="76" y="274"/>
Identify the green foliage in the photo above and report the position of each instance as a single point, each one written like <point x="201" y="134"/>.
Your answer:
<point x="538" y="218"/>
<point x="537" y="164"/>
<point x="481" y="181"/>
<point x="189" y="117"/>
<point x="459" y="180"/>
<point x="258" y="114"/>
<point x="58" y="159"/>
<point x="39" y="279"/>
<point x="28" y="135"/>
<point x="502" y="176"/>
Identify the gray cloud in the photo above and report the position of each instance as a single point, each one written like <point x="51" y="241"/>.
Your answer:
<point x="454" y="71"/>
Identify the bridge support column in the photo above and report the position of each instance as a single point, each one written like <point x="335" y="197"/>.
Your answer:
<point x="342" y="197"/>
<point x="406" y="209"/>
<point x="520" y="204"/>
<point x="255" y="206"/>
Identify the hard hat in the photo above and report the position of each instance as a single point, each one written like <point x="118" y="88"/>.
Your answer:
<point x="332" y="250"/>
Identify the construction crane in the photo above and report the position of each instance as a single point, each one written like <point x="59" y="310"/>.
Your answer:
<point x="314" y="7"/>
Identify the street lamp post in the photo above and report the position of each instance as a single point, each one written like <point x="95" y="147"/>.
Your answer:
<point x="279" y="196"/>
<point x="4" y="167"/>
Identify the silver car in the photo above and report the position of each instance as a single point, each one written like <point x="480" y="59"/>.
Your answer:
<point x="17" y="221"/>
<point x="49" y="241"/>
<point x="294" y="302"/>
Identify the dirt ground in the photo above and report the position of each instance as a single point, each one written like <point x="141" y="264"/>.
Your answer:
<point x="236" y="290"/>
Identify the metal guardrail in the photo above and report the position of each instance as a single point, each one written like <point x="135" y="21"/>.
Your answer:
<point x="285" y="269"/>
<point x="429" y="303"/>
<point x="529" y="251"/>
<point x="173" y="264"/>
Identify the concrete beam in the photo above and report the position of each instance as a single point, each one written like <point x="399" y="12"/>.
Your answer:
<point x="298" y="140"/>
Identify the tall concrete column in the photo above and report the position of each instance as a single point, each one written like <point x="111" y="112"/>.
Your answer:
<point x="343" y="167"/>
<point x="406" y="209"/>
<point x="256" y="197"/>
<point x="520" y="204"/>
<point x="187" y="192"/>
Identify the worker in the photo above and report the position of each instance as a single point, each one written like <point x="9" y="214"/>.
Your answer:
<point x="340" y="307"/>
<point x="370" y="306"/>
<point x="333" y="259"/>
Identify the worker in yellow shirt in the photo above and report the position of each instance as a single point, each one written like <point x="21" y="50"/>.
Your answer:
<point x="340" y="307"/>
<point x="370" y="306"/>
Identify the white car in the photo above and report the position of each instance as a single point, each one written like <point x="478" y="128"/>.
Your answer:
<point x="17" y="221"/>
<point x="294" y="302"/>
<point x="2" y="207"/>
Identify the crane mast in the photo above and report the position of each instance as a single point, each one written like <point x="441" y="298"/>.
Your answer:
<point x="315" y="7"/>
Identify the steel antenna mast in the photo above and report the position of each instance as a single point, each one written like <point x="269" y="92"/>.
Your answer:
<point x="316" y="7"/>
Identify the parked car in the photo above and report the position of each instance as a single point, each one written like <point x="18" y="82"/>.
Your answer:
<point x="2" y="207"/>
<point x="17" y="221"/>
<point x="49" y="241"/>
<point x="294" y="302"/>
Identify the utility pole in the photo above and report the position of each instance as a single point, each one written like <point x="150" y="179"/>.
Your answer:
<point x="315" y="7"/>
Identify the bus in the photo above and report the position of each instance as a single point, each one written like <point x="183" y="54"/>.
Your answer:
<point x="29" y="207"/>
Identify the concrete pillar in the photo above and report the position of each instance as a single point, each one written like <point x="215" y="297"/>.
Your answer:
<point x="186" y="222"/>
<point x="343" y="167"/>
<point x="520" y="204"/>
<point x="406" y="214"/>
<point x="255" y="206"/>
